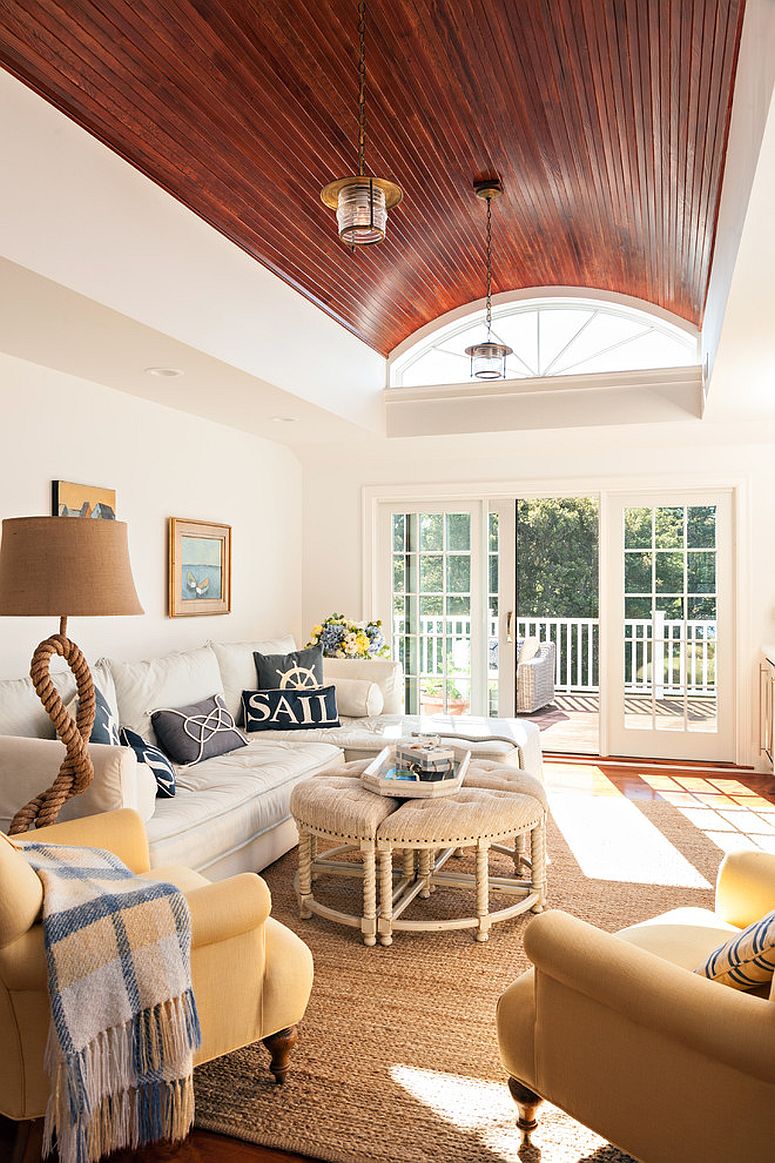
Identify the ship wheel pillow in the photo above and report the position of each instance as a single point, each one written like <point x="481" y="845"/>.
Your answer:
<point x="291" y="695"/>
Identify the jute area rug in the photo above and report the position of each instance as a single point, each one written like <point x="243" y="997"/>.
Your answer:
<point x="397" y="1059"/>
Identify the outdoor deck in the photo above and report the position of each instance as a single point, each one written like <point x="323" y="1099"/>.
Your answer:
<point x="570" y="724"/>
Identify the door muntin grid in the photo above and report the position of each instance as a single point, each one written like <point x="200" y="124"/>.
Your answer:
<point x="432" y="578"/>
<point x="670" y="617"/>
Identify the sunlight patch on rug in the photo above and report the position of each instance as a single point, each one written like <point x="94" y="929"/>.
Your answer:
<point x="487" y="1110"/>
<point x="613" y="840"/>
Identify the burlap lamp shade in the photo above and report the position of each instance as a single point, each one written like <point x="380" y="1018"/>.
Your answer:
<point x="57" y="567"/>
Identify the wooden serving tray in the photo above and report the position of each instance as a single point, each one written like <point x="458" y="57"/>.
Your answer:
<point x="377" y="778"/>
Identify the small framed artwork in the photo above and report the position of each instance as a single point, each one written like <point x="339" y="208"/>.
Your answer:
<point x="69" y="499"/>
<point x="199" y="568"/>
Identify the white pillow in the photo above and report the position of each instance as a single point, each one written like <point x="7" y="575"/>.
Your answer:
<point x="174" y="680"/>
<point x="357" y="698"/>
<point x="238" y="667"/>
<point x="388" y="675"/>
<point x="530" y="647"/>
<point x="21" y="711"/>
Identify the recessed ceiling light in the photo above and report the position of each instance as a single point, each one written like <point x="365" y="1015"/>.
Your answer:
<point x="284" y="419"/>
<point x="166" y="372"/>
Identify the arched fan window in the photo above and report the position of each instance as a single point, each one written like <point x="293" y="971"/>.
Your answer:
<point x="553" y="336"/>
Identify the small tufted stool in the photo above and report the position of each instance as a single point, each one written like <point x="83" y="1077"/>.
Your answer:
<point x="497" y="807"/>
<point x="339" y="807"/>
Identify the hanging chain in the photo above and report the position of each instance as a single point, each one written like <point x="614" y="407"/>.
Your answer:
<point x="361" y="87"/>
<point x="488" y="311"/>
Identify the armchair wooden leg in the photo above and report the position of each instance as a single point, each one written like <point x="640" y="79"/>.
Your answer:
<point x="28" y="1147"/>
<point x="280" y="1046"/>
<point x="528" y="1103"/>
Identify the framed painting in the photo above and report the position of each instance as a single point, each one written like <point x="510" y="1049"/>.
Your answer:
<point x="199" y="568"/>
<point x="69" y="499"/>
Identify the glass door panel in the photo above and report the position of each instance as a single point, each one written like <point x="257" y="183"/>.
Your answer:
<point x="671" y="626"/>
<point x="436" y="597"/>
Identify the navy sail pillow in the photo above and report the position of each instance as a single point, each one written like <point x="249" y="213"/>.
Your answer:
<point x="105" y="729"/>
<point x="290" y="710"/>
<point x="155" y="759"/>
<point x="299" y="670"/>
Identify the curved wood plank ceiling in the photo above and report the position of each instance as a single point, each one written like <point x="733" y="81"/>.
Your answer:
<point x="606" y="120"/>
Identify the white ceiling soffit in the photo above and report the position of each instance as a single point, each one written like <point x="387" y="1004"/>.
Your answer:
<point x="46" y="323"/>
<point x="78" y="214"/>
<point x="579" y="401"/>
<point x="743" y="382"/>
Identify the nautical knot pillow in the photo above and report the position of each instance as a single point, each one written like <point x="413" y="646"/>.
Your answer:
<point x="299" y="670"/>
<point x="290" y="710"/>
<point x="197" y="732"/>
<point x="746" y="960"/>
<point x="158" y="762"/>
<point x="105" y="729"/>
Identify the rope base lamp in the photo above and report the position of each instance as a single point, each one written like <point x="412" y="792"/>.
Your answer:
<point x="60" y="566"/>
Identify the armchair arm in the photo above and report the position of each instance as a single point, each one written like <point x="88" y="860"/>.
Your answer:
<point x="745" y="887"/>
<point x="227" y="908"/>
<point x="721" y="1023"/>
<point x="120" y="832"/>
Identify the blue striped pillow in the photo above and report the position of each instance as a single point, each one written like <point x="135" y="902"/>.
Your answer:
<point x="746" y="960"/>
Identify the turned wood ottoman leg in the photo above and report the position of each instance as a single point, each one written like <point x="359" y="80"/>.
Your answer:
<point x="409" y="863"/>
<point x="280" y="1046"/>
<point x="528" y="1103"/>
<point x="424" y="864"/>
<point x="369" y="916"/>
<point x="305" y="874"/>
<point x="538" y="860"/>
<point x="520" y="851"/>
<point x="483" y="890"/>
<point x="385" y="923"/>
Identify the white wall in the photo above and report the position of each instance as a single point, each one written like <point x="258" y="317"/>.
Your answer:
<point x="702" y="453"/>
<point x="162" y="463"/>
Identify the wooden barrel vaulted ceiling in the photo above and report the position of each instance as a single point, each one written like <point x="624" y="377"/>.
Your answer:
<point x="607" y="121"/>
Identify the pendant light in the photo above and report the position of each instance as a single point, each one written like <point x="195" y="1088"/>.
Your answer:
<point x="361" y="201"/>
<point x="488" y="359"/>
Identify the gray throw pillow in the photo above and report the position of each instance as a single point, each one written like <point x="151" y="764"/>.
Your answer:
<point x="200" y="731"/>
<point x="299" y="670"/>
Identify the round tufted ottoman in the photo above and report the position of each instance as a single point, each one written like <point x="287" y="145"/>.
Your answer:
<point x="497" y="808"/>
<point x="339" y="807"/>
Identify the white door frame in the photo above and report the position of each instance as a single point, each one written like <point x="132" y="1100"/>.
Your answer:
<point x="746" y="660"/>
<point x="622" y="741"/>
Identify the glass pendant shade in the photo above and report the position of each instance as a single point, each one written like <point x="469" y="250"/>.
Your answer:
<point x="361" y="213"/>
<point x="488" y="360"/>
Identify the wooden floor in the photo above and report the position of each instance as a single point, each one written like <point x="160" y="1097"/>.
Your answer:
<point x="694" y="787"/>
<point x="570" y="723"/>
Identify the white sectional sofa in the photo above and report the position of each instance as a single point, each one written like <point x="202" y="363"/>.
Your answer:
<point x="230" y="813"/>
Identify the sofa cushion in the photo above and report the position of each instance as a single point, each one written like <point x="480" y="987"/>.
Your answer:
<point x="300" y="669"/>
<point x="357" y="698"/>
<point x="105" y="728"/>
<point x="155" y="759"/>
<point x="21" y="711"/>
<point x="173" y="680"/>
<point x="223" y="804"/>
<point x="290" y="710"/>
<point x="388" y="675"/>
<point x="683" y="936"/>
<point x="238" y="666"/>
<point x="197" y="732"/>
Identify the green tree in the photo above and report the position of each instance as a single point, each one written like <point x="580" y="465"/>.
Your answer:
<point x="557" y="554"/>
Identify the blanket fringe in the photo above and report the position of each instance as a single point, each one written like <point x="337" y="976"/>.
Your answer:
<point x="130" y="1086"/>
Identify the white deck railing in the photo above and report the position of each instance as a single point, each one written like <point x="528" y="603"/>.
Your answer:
<point x="677" y="656"/>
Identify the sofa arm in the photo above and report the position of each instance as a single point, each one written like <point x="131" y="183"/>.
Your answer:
<point x="721" y="1023"/>
<point x="227" y="908"/>
<point x="745" y="887"/>
<point x="122" y="833"/>
<point x="27" y="766"/>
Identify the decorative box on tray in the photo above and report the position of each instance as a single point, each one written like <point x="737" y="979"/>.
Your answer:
<point x="417" y="769"/>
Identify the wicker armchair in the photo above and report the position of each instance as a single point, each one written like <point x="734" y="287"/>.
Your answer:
<point x="535" y="680"/>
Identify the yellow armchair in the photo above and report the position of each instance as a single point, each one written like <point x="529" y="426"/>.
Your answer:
<point x="616" y="1030"/>
<point x="238" y="953"/>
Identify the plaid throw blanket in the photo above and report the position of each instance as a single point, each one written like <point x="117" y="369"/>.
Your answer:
<point x="123" y="1017"/>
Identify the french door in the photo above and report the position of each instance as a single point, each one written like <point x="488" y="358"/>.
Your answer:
<point x="433" y="579"/>
<point x="669" y="624"/>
